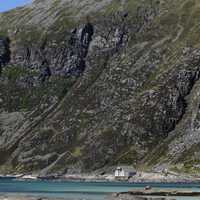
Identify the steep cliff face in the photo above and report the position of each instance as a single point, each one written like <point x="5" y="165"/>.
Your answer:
<point x="127" y="93"/>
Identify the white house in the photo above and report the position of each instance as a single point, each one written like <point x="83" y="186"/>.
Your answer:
<point x="124" y="172"/>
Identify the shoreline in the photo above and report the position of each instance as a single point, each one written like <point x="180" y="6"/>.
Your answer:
<point x="140" y="178"/>
<point x="151" y="194"/>
<point x="154" y="194"/>
<point x="7" y="196"/>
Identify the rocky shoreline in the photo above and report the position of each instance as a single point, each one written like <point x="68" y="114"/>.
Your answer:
<point x="27" y="197"/>
<point x="7" y="197"/>
<point x="140" y="177"/>
<point x="131" y="195"/>
<point x="153" y="194"/>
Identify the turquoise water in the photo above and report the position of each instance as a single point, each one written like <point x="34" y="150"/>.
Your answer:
<point x="79" y="190"/>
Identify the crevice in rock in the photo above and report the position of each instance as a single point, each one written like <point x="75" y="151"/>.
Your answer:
<point x="5" y="53"/>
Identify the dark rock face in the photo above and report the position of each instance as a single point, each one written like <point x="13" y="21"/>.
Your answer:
<point x="79" y="44"/>
<point x="66" y="58"/>
<point x="166" y="106"/>
<point x="4" y="52"/>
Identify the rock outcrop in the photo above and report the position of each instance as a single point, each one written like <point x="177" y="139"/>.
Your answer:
<point x="153" y="195"/>
<point x="4" y="52"/>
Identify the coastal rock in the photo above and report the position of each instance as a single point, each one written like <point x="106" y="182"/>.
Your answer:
<point x="4" y="52"/>
<point x="129" y="197"/>
<point x="152" y="194"/>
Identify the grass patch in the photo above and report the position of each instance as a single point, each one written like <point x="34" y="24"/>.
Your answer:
<point x="17" y="97"/>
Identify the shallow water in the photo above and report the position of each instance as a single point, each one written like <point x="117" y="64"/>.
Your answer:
<point x="80" y="190"/>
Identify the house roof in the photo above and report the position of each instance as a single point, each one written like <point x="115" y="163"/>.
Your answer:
<point x="126" y="168"/>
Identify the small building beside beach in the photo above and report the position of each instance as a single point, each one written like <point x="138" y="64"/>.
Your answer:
<point x="125" y="172"/>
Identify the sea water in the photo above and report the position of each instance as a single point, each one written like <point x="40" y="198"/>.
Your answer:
<point x="81" y="190"/>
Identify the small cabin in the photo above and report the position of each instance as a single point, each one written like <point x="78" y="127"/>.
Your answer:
<point x="124" y="172"/>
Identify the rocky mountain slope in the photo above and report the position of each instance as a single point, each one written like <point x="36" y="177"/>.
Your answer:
<point x="127" y="94"/>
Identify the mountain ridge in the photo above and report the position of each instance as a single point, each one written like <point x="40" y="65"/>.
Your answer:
<point x="135" y="103"/>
